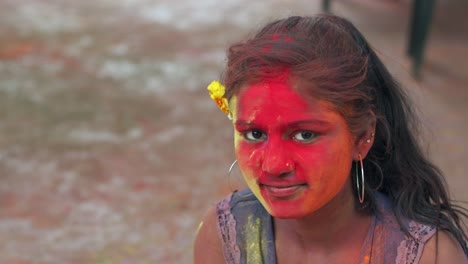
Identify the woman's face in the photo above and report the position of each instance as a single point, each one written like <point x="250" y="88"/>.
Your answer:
<point x="295" y="155"/>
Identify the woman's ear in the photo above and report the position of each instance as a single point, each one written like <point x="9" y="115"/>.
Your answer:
<point x="365" y="139"/>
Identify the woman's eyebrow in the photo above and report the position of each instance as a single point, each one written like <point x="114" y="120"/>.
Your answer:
<point x="243" y="123"/>
<point x="318" y="122"/>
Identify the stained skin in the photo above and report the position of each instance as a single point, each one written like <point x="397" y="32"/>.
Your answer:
<point x="295" y="154"/>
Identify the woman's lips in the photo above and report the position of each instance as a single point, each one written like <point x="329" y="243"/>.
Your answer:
<point x="281" y="191"/>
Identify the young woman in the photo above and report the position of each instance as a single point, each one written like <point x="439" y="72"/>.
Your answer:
<point x="323" y="137"/>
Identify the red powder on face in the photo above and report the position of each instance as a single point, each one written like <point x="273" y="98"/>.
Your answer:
<point x="295" y="155"/>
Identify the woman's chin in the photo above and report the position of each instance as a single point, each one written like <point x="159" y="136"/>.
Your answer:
<point x="285" y="210"/>
<point x="287" y="216"/>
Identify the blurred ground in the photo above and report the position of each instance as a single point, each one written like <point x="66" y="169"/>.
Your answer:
<point x="110" y="148"/>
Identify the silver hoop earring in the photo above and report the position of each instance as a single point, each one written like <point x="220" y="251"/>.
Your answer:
<point x="230" y="167"/>
<point x="229" y="181"/>
<point x="360" y="189"/>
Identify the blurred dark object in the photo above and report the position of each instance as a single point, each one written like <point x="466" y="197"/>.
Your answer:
<point x="421" y="16"/>
<point x="419" y="27"/>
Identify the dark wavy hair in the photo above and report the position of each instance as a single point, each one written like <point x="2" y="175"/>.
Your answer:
<point x="331" y="60"/>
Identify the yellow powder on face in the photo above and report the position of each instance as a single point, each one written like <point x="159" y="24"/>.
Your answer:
<point x="233" y="107"/>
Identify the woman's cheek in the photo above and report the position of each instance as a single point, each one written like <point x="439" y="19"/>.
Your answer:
<point x="248" y="157"/>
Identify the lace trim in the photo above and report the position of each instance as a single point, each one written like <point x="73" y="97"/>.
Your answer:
<point x="410" y="249"/>
<point x="227" y="231"/>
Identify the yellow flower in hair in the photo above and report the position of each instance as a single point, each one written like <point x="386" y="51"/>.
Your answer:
<point x="217" y="91"/>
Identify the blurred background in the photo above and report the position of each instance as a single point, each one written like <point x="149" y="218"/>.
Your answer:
<point x="110" y="148"/>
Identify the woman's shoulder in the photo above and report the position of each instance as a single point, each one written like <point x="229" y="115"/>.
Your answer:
<point x="216" y="239"/>
<point x="404" y="238"/>
<point x="443" y="248"/>
<point x="241" y="213"/>
<point x="405" y="226"/>
<point x="207" y="245"/>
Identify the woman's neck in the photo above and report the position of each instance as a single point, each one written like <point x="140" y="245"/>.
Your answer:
<point x="337" y="223"/>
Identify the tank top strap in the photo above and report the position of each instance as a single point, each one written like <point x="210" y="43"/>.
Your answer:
<point x="246" y="229"/>
<point x="247" y="234"/>
<point x="390" y="243"/>
<point x="227" y="231"/>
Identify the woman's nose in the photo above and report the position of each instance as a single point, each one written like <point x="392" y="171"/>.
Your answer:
<point x="277" y="160"/>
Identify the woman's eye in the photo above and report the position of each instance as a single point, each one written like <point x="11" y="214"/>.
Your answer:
<point x="254" y="135"/>
<point x="304" y="136"/>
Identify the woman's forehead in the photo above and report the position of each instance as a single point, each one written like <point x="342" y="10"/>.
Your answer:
<point x="276" y="98"/>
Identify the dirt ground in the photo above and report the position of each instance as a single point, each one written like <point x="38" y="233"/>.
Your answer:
<point x="110" y="148"/>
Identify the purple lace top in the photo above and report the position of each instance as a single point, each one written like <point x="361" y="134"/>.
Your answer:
<point x="246" y="231"/>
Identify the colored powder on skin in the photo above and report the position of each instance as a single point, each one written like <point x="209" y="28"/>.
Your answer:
<point x="251" y="231"/>
<point x="323" y="164"/>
